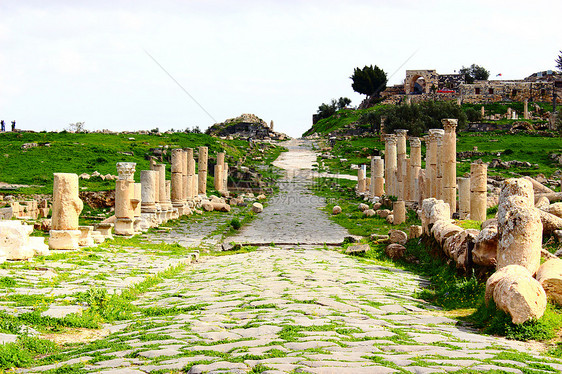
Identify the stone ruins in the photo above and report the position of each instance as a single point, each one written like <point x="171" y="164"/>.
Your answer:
<point x="511" y="243"/>
<point x="138" y="206"/>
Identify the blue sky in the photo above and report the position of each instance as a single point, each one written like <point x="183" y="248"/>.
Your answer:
<point x="69" y="61"/>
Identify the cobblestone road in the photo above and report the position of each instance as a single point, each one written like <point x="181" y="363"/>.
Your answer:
<point x="297" y="309"/>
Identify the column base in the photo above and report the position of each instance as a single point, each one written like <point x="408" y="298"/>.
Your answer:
<point x="124" y="226"/>
<point x="64" y="239"/>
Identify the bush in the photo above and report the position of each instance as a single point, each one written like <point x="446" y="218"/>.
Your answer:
<point x="473" y="115"/>
<point x="235" y="223"/>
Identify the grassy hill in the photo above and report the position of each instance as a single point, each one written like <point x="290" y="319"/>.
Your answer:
<point x="88" y="152"/>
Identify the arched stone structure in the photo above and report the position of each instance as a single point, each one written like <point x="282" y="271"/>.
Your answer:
<point x="430" y="76"/>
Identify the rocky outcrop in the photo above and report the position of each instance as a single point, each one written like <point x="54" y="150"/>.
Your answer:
<point x="245" y="126"/>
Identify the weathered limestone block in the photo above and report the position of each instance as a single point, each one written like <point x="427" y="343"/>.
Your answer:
<point x="550" y="222"/>
<point x="207" y="206"/>
<point x="538" y="187"/>
<point x="517" y="293"/>
<point x="390" y="219"/>
<point x="220" y="206"/>
<point x="440" y="212"/>
<point x="415" y="232"/>
<point x="457" y="247"/>
<point x="15" y="242"/>
<point x="542" y="203"/>
<point x="555" y="208"/>
<point x="257" y="208"/>
<point x="97" y="237"/>
<point x="363" y="207"/>
<point x="519" y="225"/>
<point x="336" y="209"/>
<point x="399" y="212"/>
<point x="444" y="229"/>
<point x="85" y="239"/>
<point x="361" y="180"/>
<point x="397" y="236"/>
<point x="395" y="251"/>
<point x="464" y="197"/>
<point x="369" y="213"/>
<point x="549" y="276"/>
<point x="358" y="248"/>
<point x="105" y="229"/>
<point x="425" y="216"/>
<point x="66" y="203"/>
<point x="383" y="213"/>
<point x="377" y="181"/>
<point x="485" y="250"/>
<point x="64" y="239"/>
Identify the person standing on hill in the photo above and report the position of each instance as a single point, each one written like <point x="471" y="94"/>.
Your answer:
<point x="2" y="126"/>
<point x="14" y="125"/>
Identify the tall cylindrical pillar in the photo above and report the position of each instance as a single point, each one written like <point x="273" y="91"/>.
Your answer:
<point x="390" y="161"/>
<point x="449" y="156"/>
<point x="202" y="172"/>
<point x="478" y="191"/>
<point x="415" y="166"/>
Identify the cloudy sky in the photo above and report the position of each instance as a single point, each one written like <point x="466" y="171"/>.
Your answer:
<point x="66" y="61"/>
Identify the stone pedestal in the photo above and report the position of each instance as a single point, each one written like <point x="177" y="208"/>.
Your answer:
<point x="415" y="167"/>
<point x="104" y="229"/>
<point x="66" y="210"/>
<point x="464" y="198"/>
<point x="202" y="172"/>
<point x="390" y="160"/>
<point x="64" y="239"/>
<point x="85" y="239"/>
<point x="478" y="191"/>
<point x="449" y="165"/>
<point x="399" y="212"/>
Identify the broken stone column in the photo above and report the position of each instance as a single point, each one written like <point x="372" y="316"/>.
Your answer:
<point x="526" y="109"/>
<point x="482" y="112"/>
<point x="400" y="162"/>
<point x="66" y="210"/>
<point x="390" y="160"/>
<point x="219" y="170"/>
<point x="464" y="197"/>
<point x="399" y="212"/>
<point x="449" y="156"/>
<point x="202" y="172"/>
<point x="415" y="167"/>
<point x="478" y="190"/>
<point x="172" y="212"/>
<point x="225" y="178"/>
<point x="361" y="180"/>
<point x="519" y="226"/>
<point x="377" y="178"/>
<point x="177" y="185"/>
<point x="139" y="223"/>
<point x="86" y="239"/>
<point x="124" y="196"/>
<point x="407" y="178"/>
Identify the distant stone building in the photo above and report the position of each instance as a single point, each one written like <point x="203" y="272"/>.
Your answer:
<point x="422" y="85"/>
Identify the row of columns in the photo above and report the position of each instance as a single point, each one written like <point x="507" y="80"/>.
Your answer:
<point x="156" y="200"/>
<point x="402" y="176"/>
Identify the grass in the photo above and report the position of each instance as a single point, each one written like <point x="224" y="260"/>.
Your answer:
<point x="85" y="153"/>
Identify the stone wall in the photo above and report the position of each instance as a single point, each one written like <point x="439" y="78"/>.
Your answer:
<point x="495" y="91"/>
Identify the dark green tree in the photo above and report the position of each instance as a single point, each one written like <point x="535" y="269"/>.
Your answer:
<point x="370" y="81"/>
<point x="474" y="73"/>
<point x="343" y="102"/>
<point x="327" y="110"/>
<point x="559" y="62"/>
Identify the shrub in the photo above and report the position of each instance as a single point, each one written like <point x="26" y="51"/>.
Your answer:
<point x="235" y="223"/>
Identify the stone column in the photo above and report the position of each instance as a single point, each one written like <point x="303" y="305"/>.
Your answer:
<point x="66" y="210"/>
<point x="482" y="112"/>
<point x="161" y="182"/>
<point x="390" y="160"/>
<point x="177" y="185"/>
<point x="399" y="212"/>
<point x="139" y="223"/>
<point x="449" y="156"/>
<point x="439" y="177"/>
<point x="478" y="191"/>
<point x="400" y="162"/>
<point x="124" y="195"/>
<point x="361" y="180"/>
<point x="415" y="167"/>
<point x="378" y="176"/>
<point x="526" y="109"/>
<point x="184" y="175"/>
<point x="202" y="172"/>
<point x="172" y="211"/>
<point x="190" y="173"/>
<point x="219" y="168"/>
<point x="148" y="196"/>
<point x="225" y="178"/>
<point x="464" y="198"/>
<point x="431" y="161"/>
<point x="519" y="226"/>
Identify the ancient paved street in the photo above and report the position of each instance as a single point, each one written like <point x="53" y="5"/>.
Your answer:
<point x="297" y="308"/>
